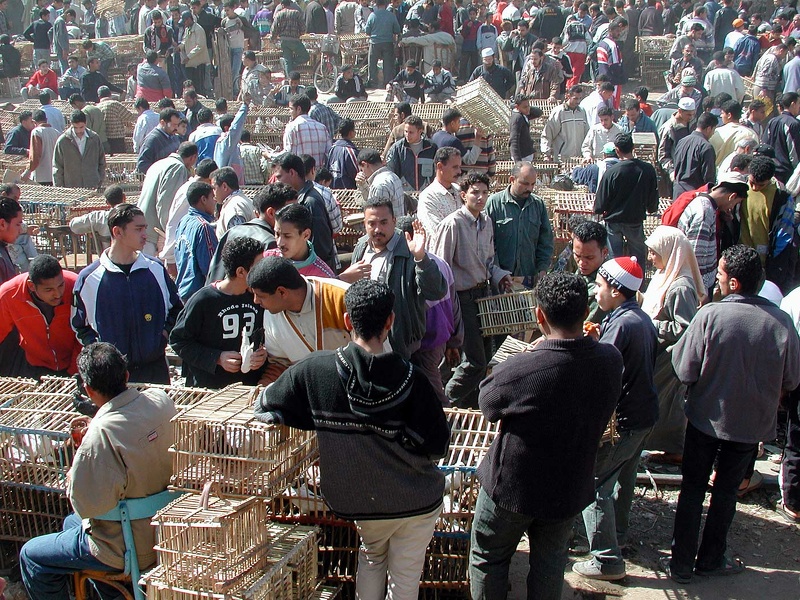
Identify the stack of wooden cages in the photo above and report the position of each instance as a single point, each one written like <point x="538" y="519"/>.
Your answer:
<point x="219" y="440"/>
<point x="654" y="59"/>
<point x="121" y="170"/>
<point x="446" y="560"/>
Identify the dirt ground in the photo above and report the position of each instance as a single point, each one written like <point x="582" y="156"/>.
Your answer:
<point x="769" y="547"/>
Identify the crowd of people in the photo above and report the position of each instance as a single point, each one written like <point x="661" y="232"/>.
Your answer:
<point x="250" y="289"/>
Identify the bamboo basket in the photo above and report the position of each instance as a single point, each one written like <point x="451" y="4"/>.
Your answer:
<point x="27" y="512"/>
<point x="482" y="106"/>
<point x="287" y="570"/>
<point x="219" y="440"/>
<point x="507" y="313"/>
<point x="210" y="544"/>
<point x="34" y="436"/>
<point x="11" y="387"/>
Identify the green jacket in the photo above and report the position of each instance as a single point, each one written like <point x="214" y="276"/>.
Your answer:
<point x="523" y="237"/>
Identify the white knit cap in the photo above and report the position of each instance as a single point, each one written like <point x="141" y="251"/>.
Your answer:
<point x="687" y="104"/>
<point x="623" y="272"/>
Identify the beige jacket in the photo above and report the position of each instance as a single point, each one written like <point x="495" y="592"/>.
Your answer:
<point x="194" y="47"/>
<point x="124" y="454"/>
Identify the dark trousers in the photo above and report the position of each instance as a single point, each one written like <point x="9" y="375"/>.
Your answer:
<point x="383" y="52"/>
<point x="790" y="465"/>
<point x="699" y="452"/>
<point x="469" y="62"/>
<point x="116" y="145"/>
<point x="462" y="389"/>
<point x="198" y="77"/>
<point x="152" y="372"/>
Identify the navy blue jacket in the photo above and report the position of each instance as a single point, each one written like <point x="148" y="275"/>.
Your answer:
<point x="129" y="311"/>
<point x="18" y="141"/>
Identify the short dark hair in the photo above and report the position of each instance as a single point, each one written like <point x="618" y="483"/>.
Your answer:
<point x="226" y="175"/>
<point x="311" y="93"/>
<point x="245" y="137"/>
<point x="225" y="121"/>
<point x="274" y="272"/>
<point x="191" y="93"/>
<point x="39" y="116"/>
<point x="743" y="264"/>
<point x="403" y="108"/>
<point x="24" y="116"/>
<point x="415" y="121"/>
<point x="114" y="195"/>
<point x="762" y="168"/>
<point x="104" y="91"/>
<point x="302" y="102"/>
<point x="472" y="178"/>
<point x="249" y="55"/>
<point x="141" y="103"/>
<point x="787" y="99"/>
<point x="197" y="191"/>
<point x="165" y="103"/>
<point x="369" y="156"/>
<point x="605" y="111"/>
<point x="606" y="86"/>
<point x="369" y="304"/>
<point x="221" y="105"/>
<point x="591" y="231"/>
<point x="444" y="154"/>
<point x="204" y="115"/>
<point x="43" y="267"/>
<point x="151" y="56"/>
<point x="642" y="92"/>
<point x="122" y="214"/>
<point x="450" y="115"/>
<point x="44" y="97"/>
<point x="563" y="298"/>
<point x="297" y="214"/>
<point x="275" y="196"/>
<point x="78" y="116"/>
<point x="323" y="174"/>
<point x="631" y="104"/>
<point x="733" y="108"/>
<point x="741" y="162"/>
<point x="241" y="252"/>
<point x="167" y="115"/>
<point x="756" y="105"/>
<point x="103" y="368"/>
<point x="707" y="120"/>
<point x="205" y="168"/>
<point x="378" y="202"/>
<point x="187" y="149"/>
<point x="309" y="162"/>
<point x="290" y="162"/>
<point x="346" y="127"/>
<point x="624" y="142"/>
<point x="721" y="99"/>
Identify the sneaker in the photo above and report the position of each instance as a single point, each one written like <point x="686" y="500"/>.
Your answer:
<point x="591" y="569"/>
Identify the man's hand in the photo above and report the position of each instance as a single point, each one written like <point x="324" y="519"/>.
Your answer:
<point x="453" y="357"/>
<point x="552" y="100"/>
<point x="356" y="271"/>
<point x="417" y="245"/>
<point x="586" y="160"/>
<point x="230" y="361"/>
<point x="258" y="358"/>
<point x="505" y="284"/>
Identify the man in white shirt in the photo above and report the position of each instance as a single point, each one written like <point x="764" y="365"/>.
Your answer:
<point x="602" y="96"/>
<point x="145" y="123"/>
<point x="236" y="207"/>
<point x="443" y="196"/>
<point x="723" y="79"/>
<point x="599" y="135"/>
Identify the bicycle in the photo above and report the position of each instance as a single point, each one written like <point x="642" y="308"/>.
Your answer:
<point x="327" y="71"/>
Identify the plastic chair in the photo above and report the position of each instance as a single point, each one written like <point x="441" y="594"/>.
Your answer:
<point x="130" y="509"/>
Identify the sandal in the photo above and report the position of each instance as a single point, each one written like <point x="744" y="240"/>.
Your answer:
<point x="756" y="481"/>
<point x="664" y="563"/>
<point x="730" y="566"/>
<point x="786" y="515"/>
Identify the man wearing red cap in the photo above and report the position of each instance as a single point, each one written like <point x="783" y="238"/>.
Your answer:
<point x="631" y="331"/>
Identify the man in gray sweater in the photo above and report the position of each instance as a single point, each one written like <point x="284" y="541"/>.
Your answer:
<point x="731" y="406"/>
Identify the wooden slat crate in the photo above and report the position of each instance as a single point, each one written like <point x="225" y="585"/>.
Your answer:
<point x="482" y="106"/>
<point x="11" y="387"/>
<point x="27" y="512"/>
<point x="568" y="204"/>
<point x="35" y="446"/>
<point x="507" y="313"/>
<point x="365" y="111"/>
<point x="219" y="440"/>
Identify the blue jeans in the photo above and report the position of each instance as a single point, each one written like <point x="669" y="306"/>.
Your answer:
<point x="236" y="66"/>
<point x="47" y="562"/>
<point x="496" y="532"/>
<point x="699" y="452"/>
<point x="615" y="477"/>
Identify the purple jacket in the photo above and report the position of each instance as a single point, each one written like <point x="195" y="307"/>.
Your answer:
<point x="443" y="317"/>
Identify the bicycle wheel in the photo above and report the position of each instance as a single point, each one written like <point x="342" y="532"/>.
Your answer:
<point x="325" y="76"/>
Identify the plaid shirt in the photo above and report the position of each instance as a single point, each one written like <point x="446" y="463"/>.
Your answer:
<point x="116" y="116"/>
<point x="101" y="51"/>
<point x="325" y="115"/>
<point x="253" y="163"/>
<point x="288" y="23"/>
<point x="304" y="135"/>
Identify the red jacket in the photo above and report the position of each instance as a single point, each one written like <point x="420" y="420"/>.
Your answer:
<point x="53" y="347"/>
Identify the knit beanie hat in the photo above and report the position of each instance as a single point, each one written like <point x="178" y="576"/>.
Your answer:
<point x="622" y="273"/>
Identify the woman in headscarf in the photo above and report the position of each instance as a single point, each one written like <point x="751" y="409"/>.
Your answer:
<point x="673" y="297"/>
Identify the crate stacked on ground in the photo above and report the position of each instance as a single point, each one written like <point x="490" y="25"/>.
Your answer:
<point x="213" y="547"/>
<point x="654" y="59"/>
<point x="351" y="203"/>
<point x="121" y="169"/>
<point x="446" y="559"/>
<point x="35" y="455"/>
<point x="219" y="440"/>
